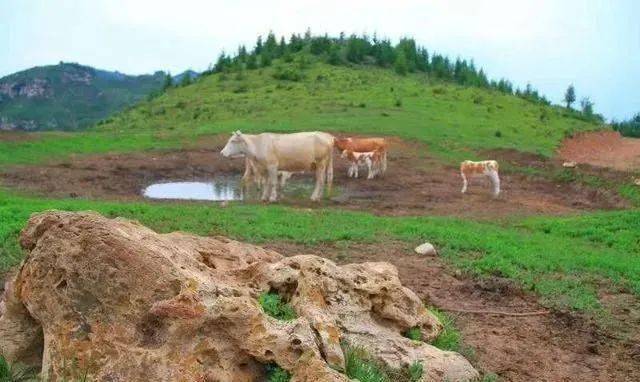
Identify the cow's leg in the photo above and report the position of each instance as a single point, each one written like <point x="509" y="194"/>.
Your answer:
<point x="464" y="182"/>
<point x="330" y="173"/>
<point x="384" y="162"/>
<point x="320" y="176"/>
<point x="495" y="182"/>
<point x="248" y="176"/>
<point x="271" y="183"/>
<point x="356" y="168"/>
<point x="369" y="168"/>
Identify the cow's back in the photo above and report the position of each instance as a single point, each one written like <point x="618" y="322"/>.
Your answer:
<point x="301" y="151"/>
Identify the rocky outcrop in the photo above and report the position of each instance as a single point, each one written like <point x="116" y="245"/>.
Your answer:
<point x="120" y="302"/>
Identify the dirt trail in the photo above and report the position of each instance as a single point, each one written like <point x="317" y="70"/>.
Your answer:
<point x="554" y="347"/>
<point x="415" y="184"/>
<point x="603" y="149"/>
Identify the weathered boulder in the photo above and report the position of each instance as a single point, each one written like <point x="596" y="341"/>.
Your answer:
<point x="426" y="249"/>
<point x="119" y="302"/>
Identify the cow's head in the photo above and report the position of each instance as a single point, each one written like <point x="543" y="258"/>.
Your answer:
<point x="342" y="143"/>
<point x="236" y="146"/>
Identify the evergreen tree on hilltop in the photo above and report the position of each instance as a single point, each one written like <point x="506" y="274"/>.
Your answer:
<point x="587" y="106"/>
<point x="252" y="61"/>
<point x="570" y="96"/>
<point x="186" y="79"/>
<point x="401" y="67"/>
<point x="168" y="81"/>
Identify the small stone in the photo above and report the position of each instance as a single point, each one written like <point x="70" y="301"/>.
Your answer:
<point x="636" y="181"/>
<point x="570" y="164"/>
<point x="426" y="249"/>
<point x="224" y="204"/>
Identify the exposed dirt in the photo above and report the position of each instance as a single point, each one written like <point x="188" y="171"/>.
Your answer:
<point x="555" y="347"/>
<point x="415" y="184"/>
<point x="603" y="149"/>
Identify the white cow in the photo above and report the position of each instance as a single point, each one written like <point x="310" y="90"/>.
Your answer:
<point x="285" y="152"/>
<point x="251" y="175"/>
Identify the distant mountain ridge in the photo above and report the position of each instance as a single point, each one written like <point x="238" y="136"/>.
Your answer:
<point x="70" y="96"/>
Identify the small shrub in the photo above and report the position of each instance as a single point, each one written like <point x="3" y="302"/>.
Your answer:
<point x="384" y="114"/>
<point x="181" y="105"/>
<point x="414" y="334"/>
<point x="362" y="105"/>
<point x="277" y="374"/>
<point x="398" y="102"/>
<point x="490" y="377"/>
<point x="273" y="305"/>
<point x="360" y="366"/>
<point x="498" y="134"/>
<point x="287" y="74"/>
<point x="478" y="100"/>
<point x="242" y="88"/>
<point x="415" y="371"/>
<point x="15" y="373"/>
<point x="449" y="338"/>
<point x="439" y="90"/>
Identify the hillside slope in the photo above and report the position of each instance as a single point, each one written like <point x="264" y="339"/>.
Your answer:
<point x="68" y="96"/>
<point x="358" y="99"/>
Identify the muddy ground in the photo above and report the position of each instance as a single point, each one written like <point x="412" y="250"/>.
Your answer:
<point x="604" y="149"/>
<point x="559" y="346"/>
<point x="415" y="184"/>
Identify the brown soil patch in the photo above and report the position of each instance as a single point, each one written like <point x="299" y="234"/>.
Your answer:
<point x="554" y="347"/>
<point x="603" y="149"/>
<point x="415" y="184"/>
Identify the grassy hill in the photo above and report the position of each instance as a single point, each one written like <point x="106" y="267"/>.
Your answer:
<point x="454" y="120"/>
<point x="68" y="96"/>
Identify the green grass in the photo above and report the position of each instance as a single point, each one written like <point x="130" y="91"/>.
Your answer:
<point x="563" y="259"/>
<point x="273" y="305"/>
<point x="450" y="338"/>
<point x="358" y="100"/>
<point x="15" y="373"/>
<point x="360" y="366"/>
<point x="277" y="374"/>
<point x="414" y="333"/>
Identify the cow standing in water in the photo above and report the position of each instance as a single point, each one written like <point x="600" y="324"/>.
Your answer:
<point x="365" y="145"/>
<point x="487" y="168"/>
<point x="271" y="153"/>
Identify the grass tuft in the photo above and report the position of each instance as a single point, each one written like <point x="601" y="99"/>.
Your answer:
<point x="273" y="305"/>
<point x="15" y="372"/>
<point x="414" y="333"/>
<point x="277" y="374"/>
<point x="450" y="337"/>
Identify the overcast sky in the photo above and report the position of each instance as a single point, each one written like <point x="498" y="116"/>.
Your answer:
<point x="594" y="44"/>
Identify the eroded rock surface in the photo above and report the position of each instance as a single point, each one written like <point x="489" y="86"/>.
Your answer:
<point x="122" y="303"/>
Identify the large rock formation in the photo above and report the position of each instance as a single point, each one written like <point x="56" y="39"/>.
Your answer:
<point x="119" y="302"/>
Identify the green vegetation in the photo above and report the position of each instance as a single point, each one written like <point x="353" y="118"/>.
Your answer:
<point x="414" y="333"/>
<point x="359" y="365"/>
<point x="15" y="373"/>
<point x="415" y="371"/>
<point x="273" y="305"/>
<point x="450" y="337"/>
<point x="630" y="128"/>
<point x="563" y="259"/>
<point x="277" y="374"/>
<point x="454" y="120"/>
<point x="69" y="96"/>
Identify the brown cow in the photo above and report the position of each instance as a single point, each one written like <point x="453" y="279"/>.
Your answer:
<point x="365" y="145"/>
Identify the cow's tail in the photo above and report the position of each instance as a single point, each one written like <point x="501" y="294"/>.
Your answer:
<point x="330" y="173"/>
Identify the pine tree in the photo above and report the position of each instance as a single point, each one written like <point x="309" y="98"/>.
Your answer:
<point x="252" y="61"/>
<point x="570" y="96"/>
<point x="186" y="79"/>
<point x="400" y="65"/>
<point x="587" y="106"/>
<point x="168" y="81"/>
<point x="334" y="55"/>
<point x="265" y="59"/>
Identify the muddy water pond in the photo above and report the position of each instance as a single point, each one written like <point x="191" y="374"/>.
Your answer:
<point x="220" y="189"/>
